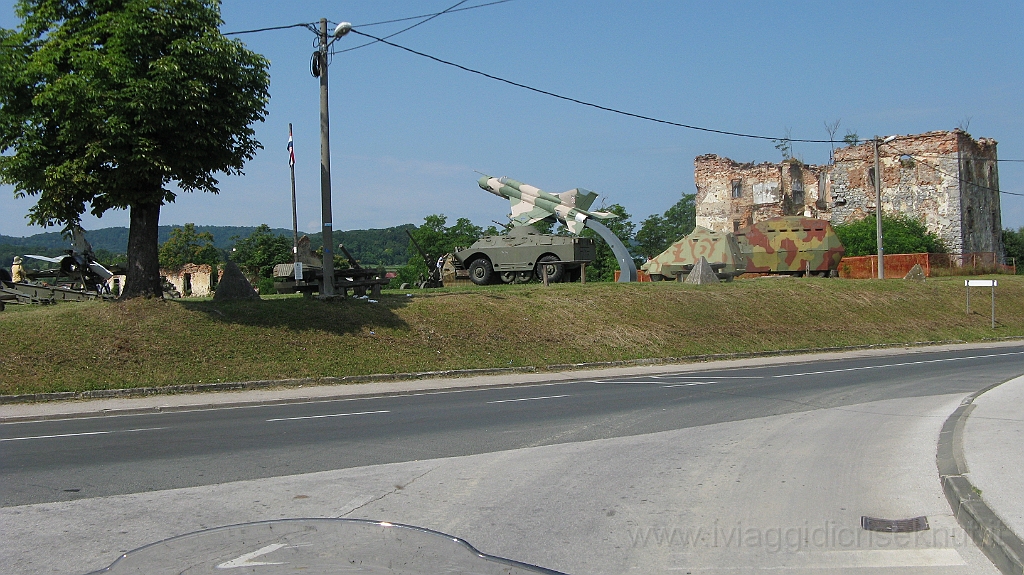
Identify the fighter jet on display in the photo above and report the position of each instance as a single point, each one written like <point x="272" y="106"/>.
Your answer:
<point x="531" y="205"/>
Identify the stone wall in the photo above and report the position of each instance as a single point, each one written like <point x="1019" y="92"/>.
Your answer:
<point x="946" y="179"/>
<point x="731" y="195"/>
<point x="191" y="279"/>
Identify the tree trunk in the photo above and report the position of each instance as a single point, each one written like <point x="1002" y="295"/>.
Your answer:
<point x="143" y="253"/>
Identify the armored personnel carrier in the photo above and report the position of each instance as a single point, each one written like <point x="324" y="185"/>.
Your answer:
<point x="519" y="256"/>
<point x="791" y="245"/>
<point x="786" y="245"/>
<point x="719" y="248"/>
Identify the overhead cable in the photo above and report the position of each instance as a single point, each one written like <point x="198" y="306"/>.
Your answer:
<point x="954" y="176"/>
<point x="585" y="103"/>
<point x="428" y="16"/>
<point x="461" y="2"/>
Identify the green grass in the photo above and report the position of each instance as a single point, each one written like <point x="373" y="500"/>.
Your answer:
<point x="97" y="345"/>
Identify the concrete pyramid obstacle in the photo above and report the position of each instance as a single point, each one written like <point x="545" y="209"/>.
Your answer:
<point x="915" y="273"/>
<point x="233" y="285"/>
<point x="701" y="274"/>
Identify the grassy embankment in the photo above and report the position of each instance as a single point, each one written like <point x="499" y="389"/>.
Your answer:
<point x="74" y="347"/>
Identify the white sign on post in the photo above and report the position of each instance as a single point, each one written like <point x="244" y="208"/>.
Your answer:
<point x="298" y="271"/>
<point x="982" y="283"/>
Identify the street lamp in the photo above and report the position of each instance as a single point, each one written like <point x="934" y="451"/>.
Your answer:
<point x="325" y="152"/>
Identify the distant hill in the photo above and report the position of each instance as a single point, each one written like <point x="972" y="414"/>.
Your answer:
<point x="388" y="246"/>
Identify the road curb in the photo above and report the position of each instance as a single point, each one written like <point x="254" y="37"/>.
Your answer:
<point x="1001" y="545"/>
<point x="141" y="392"/>
<point x="409" y="376"/>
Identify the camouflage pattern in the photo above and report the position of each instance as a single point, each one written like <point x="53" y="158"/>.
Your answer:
<point x="790" y="245"/>
<point x="719" y="248"/>
<point x="531" y="205"/>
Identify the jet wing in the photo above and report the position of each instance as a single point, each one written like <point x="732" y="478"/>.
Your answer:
<point x="526" y="213"/>
<point x="46" y="259"/>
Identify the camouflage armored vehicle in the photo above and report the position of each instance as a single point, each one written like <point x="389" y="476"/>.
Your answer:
<point x="719" y="248"/>
<point x="518" y="257"/>
<point x="791" y="245"/>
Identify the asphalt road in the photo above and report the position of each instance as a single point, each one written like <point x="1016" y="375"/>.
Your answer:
<point x="50" y="461"/>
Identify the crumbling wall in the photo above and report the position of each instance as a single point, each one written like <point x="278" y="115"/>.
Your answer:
<point x="191" y="279"/>
<point x="947" y="179"/>
<point x="981" y="212"/>
<point x="116" y="284"/>
<point x="731" y="195"/>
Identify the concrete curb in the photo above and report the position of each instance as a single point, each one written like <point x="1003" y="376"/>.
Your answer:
<point x="1001" y="545"/>
<point x="247" y="385"/>
<point x="136" y="393"/>
<point x="309" y="381"/>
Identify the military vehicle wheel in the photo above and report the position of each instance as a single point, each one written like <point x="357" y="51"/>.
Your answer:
<point x="555" y="271"/>
<point x="508" y="277"/>
<point x="524" y="277"/>
<point x="657" y="278"/>
<point x="481" y="272"/>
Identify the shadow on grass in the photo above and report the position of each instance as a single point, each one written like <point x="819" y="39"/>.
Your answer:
<point x="341" y="317"/>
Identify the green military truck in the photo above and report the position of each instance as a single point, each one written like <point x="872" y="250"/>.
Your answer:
<point x="523" y="255"/>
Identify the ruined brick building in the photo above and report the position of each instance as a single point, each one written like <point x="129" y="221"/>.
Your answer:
<point x="947" y="179"/>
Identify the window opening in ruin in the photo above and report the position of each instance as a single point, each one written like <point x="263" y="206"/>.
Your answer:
<point x="737" y="188"/>
<point x="735" y="226"/>
<point x="871" y="178"/>
<point x="186" y="284"/>
<point x="907" y="161"/>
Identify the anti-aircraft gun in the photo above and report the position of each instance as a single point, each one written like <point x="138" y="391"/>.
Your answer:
<point x="76" y="277"/>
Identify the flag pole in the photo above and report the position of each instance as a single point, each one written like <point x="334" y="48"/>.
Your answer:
<point x="295" y="214"/>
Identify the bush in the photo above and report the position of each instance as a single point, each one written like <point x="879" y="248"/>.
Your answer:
<point x="901" y="234"/>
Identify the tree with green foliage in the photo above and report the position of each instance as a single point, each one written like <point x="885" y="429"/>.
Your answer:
<point x="602" y="269"/>
<point x="186" y="246"/>
<point x="261" y="251"/>
<point x="109" y="258"/>
<point x="436" y="238"/>
<point x="901" y="234"/>
<point x="1013" y="244"/>
<point x="114" y="104"/>
<point x="657" y="233"/>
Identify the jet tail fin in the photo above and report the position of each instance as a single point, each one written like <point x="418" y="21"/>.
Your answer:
<point x="579" y="198"/>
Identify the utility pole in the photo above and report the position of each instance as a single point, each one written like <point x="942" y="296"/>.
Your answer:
<point x="295" y="213"/>
<point x="878" y="214"/>
<point x="325" y="168"/>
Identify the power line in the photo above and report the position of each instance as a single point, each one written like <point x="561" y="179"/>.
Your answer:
<point x="449" y="11"/>
<point x="925" y="154"/>
<point x="461" y="2"/>
<point x="590" y="104"/>
<point x="301" y="25"/>
<point x="954" y="176"/>
<point x="428" y="16"/>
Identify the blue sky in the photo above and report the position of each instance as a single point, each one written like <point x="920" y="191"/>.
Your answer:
<point x="408" y="133"/>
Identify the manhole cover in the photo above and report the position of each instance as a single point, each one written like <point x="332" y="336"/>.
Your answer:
<point x="894" y="525"/>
